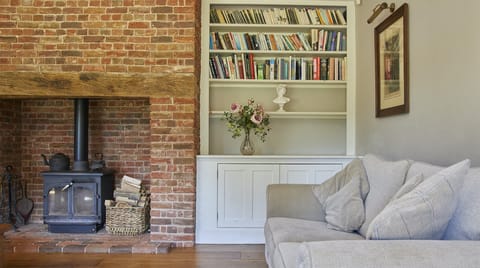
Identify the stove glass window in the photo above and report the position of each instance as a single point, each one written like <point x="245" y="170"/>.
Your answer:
<point x="84" y="204"/>
<point x="57" y="201"/>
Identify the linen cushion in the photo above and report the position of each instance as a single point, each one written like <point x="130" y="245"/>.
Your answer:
<point x="354" y="170"/>
<point x="285" y="255"/>
<point x="384" y="178"/>
<point x="465" y="223"/>
<point x="409" y="185"/>
<point x="344" y="210"/>
<point x="424" y="212"/>
<point x="278" y="230"/>
<point x="389" y="254"/>
<point x="426" y="169"/>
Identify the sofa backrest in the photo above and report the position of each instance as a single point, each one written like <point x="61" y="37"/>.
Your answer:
<point x="465" y="223"/>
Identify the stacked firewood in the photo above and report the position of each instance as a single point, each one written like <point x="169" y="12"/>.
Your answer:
<point x="131" y="193"/>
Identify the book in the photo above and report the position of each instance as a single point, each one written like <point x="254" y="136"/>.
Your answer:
<point x="314" y="39"/>
<point x="340" y="17"/>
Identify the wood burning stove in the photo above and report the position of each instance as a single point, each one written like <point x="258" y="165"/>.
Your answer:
<point x="74" y="200"/>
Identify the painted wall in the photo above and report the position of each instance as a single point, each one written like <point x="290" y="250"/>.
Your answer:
<point x="443" y="125"/>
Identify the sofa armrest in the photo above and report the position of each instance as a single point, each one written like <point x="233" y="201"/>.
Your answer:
<point x="389" y="253"/>
<point x="293" y="201"/>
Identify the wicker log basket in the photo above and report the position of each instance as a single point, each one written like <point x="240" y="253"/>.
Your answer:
<point x="129" y="212"/>
<point x="127" y="220"/>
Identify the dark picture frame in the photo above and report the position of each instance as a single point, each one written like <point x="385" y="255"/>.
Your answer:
<point x="391" y="64"/>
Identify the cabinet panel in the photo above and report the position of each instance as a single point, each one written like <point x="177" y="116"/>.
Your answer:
<point x="242" y="194"/>
<point x="307" y="174"/>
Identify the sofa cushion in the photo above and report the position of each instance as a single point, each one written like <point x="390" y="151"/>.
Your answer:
<point x="408" y="186"/>
<point x="342" y="197"/>
<point x="424" y="212"/>
<point x="344" y="210"/>
<point x="465" y="223"/>
<point x="385" y="179"/>
<point x="389" y="254"/>
<point x="426" y="169"/>
<point x="279" y="229"/>
<point x="353" y="171"/>
<point x="285" y="255"/>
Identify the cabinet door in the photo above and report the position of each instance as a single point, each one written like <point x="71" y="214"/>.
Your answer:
<point x="307" y="174"/>
<point x="242" y="194"/>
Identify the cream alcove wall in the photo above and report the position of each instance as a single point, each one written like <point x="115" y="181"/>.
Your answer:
<point x="443" y="125"/>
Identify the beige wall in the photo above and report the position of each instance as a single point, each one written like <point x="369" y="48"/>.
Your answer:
<point x="443" y="125"/>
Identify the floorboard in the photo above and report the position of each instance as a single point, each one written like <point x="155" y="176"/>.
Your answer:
<point x="200" y="256"/>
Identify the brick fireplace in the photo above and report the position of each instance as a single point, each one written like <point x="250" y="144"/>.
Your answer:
<point x="137" y="62"/>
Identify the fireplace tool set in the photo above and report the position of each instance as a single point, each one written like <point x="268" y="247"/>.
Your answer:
<point x="16" y="207"/>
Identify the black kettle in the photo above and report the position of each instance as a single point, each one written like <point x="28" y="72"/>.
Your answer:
<point x="58" y="162"/>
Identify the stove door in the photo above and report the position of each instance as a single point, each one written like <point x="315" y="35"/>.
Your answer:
<point x="57" y="202"/>
<point x="85" y="199"/>
<point x="72" y="202"/>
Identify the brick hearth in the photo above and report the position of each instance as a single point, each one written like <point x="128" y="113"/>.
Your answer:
<point x="138" y="63"/>
<point x="34" y="238"/>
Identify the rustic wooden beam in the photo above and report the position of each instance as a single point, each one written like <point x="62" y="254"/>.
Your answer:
<point x="34" y="84"/>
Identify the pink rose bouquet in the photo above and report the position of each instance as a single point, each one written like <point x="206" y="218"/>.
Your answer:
<point x="247" y="117"/>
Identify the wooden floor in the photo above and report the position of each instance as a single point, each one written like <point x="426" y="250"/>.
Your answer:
<point x="211" y="256"/>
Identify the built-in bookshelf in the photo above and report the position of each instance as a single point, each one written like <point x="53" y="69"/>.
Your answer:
<point x="249" y="48"/>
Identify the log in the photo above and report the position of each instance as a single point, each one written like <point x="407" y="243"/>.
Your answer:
<point x="34" y="84"/>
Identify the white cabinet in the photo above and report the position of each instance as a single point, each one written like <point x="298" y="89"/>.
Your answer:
<point x="307" y="174"/>
<point x="242" y="195"/>
<point x="231" y="191"/>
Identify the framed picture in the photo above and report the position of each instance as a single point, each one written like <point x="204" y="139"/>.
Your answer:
<point x="391" y="64"/>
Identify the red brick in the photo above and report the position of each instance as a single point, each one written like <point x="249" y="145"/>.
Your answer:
<point x="138" y="24"/>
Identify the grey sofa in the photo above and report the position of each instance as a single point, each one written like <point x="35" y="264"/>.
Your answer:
<point x="298" y="234"/>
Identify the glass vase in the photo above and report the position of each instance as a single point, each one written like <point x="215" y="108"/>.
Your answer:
<point x="246" y="148"/>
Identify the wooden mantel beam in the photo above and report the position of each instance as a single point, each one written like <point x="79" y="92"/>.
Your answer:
<point x="34" y="84"/>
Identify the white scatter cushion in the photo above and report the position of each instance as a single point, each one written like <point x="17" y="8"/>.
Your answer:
<point x="409" y="185"/>
<point x="424" y="212"/>
<point x="465" y="223"/>
<point x="344" y="210"/>
<point x="385" y="178"/>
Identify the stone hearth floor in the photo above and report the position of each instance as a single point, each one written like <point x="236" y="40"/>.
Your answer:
<point x="34" y="238"/>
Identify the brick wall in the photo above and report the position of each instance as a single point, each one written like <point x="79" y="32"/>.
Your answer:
<point x="10" y="124"/>
<point x="148" y="37"/>
<point x="139" y="36"/>
<point x="174" y="136"/>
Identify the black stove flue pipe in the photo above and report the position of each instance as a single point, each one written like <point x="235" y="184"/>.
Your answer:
<point x="80" y="150"/>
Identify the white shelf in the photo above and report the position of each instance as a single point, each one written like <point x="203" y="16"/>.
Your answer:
<point x="281" y="52"/>
<point x="305" y="115"/>
<point x="340" y="83"/>
<point x="285" y="27"/>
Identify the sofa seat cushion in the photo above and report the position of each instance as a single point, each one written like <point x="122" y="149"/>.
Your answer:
<point x="285" y="255"/>
<point x="279" y="229"/>
<point x="389" y="253"/>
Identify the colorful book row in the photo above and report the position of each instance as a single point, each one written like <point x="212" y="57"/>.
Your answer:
<point x="245" y="66"/>
<point x="318" y="40"/>
<point x="288" y="15"/>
